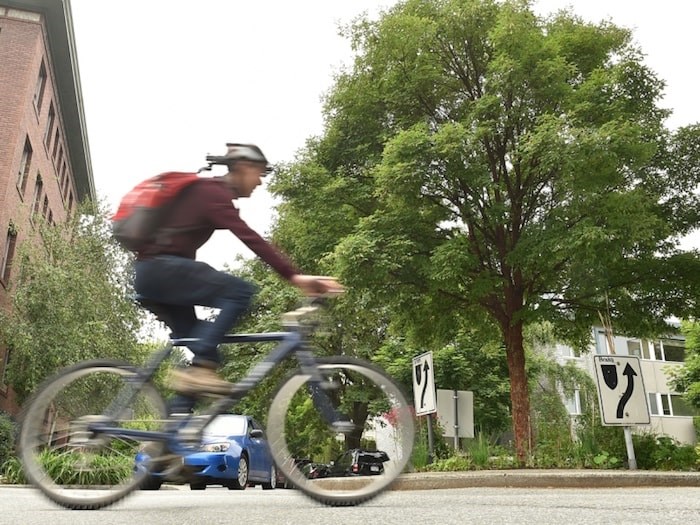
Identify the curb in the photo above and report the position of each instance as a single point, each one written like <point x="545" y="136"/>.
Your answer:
<point x="546" y="479"/>
<point x="516" y="479"/>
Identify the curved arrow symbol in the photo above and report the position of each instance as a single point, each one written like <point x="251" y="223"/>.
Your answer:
<point x="426" y="367"/>
<point x="630" y="373"/>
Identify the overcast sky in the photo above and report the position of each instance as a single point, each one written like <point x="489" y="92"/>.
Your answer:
<point x="165" y="82"/>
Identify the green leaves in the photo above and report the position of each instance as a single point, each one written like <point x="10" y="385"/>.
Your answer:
<point x="501" y="169"/>
<point x="71" y="301"/>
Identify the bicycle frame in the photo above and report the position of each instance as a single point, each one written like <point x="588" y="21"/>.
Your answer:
<point x="290" y="343"/>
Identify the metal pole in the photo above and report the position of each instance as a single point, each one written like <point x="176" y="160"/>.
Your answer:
<point x="630" y="448"/>
<point x="455" y="397"/>
<point x="431" y="449"/>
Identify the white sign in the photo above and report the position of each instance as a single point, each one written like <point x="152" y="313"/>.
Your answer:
<point x="455" y="411"/>
<point x="424" y="385"/>
<point x="621" y="393"/>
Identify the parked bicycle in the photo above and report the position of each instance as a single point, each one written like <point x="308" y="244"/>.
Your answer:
<point x="83" y="428"/>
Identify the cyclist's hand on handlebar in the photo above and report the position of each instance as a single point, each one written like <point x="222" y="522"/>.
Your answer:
<point x="315" y="285"/>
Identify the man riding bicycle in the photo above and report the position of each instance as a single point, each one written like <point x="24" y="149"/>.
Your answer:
<point x="172" y="282"/>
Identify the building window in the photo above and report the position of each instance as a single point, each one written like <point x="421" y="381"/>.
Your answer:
<point x="49" y="126"/>
<point x="640" y="348"/>
<point x="24" y="167"/>
<point x="59" y="161"/>
<point x="56" y="140"/>
<point x="3" y="374"/>
<point x="8" y="253"/>
<point x="567" y="351"/>
<point x="38" y="194"/>
<point x="70" y="203"/>
<point x="45" y="208"/>
<point x="40" y="87"/>
<point x="673" y="350"/>
<point x="634" y="347"/>
<point x="573" y="403"/>
<point x="65" y="185"/>
<point x="669" y="405"/>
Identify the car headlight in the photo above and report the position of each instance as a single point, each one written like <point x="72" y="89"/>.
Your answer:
<point x="215" y="447"/>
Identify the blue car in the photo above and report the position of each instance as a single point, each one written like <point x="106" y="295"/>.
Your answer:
<point x="234" y="453"/>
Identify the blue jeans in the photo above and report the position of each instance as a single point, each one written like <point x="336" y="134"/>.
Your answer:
<point x="179" y="284"/>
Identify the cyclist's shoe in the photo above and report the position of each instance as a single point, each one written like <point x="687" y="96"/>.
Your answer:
<point x="198" y="380"/>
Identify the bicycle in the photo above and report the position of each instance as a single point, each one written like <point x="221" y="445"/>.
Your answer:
<point x="82" y="429"/>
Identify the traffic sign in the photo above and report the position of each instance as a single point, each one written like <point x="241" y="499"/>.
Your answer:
<point x="424" y="396"/>
<point x="621" y="393"/>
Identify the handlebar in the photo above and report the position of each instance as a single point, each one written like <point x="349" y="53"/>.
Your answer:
<point x="294" y="318"/>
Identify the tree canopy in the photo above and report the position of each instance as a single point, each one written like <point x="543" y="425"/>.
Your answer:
<point x="482" y="167"/>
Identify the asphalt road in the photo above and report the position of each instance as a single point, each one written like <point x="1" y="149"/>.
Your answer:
<point x="486" y="505"/>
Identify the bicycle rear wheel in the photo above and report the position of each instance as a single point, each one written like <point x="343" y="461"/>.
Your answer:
<point x="63" y="455"/>
<point x="301" y="441"/>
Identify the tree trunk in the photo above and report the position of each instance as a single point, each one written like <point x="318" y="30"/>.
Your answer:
<point x="519" y="394"/>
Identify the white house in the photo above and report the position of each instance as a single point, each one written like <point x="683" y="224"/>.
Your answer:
<point x="669" y="414"/>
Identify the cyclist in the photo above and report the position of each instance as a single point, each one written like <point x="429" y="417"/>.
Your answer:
<point x="172" y="282"/>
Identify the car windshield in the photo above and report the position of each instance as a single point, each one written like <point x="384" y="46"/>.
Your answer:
<point x="226" y="426"/>
<point x="376" y="457"/>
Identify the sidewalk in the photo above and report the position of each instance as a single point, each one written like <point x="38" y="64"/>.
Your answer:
<point x="541" y="478"/>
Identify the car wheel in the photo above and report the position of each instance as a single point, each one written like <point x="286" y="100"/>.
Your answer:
<point x="273" y="479"/>
<point x="151" y="483"/>
<point x="198" y="486"/>
<point x="241" y="482"/>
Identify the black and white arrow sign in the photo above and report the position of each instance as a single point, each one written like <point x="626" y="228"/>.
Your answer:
<point x="621" y="393"/>
<point x="424" y="397"/>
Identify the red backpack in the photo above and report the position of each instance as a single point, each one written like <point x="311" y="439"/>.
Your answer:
<point x="143" y="209"/>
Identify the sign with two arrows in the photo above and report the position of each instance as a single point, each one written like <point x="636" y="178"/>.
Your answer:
<point x="424" y="396"/>
<point x="621" y="393"/>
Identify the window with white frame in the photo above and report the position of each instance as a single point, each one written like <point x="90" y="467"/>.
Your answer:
<point x="573" y="403"/>
<point x="666" y="349"/>
<point x="640" y="348"/>
<point x="669" y="405"/>
<point x="567" y="351"/>
<point x="673" y="350"/>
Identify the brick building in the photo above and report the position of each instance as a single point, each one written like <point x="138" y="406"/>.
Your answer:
<point x="45" y="166"/>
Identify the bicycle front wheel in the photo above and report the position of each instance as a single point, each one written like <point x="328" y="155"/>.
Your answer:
<point x="63" y="455"/>
<point x="368" y="458"/>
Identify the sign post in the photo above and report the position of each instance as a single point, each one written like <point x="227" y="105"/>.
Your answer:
<point x="424" y="397"/>
<point x="621" y="395"/>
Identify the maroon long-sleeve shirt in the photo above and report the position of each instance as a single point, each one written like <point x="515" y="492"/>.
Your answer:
<point x="207" y="206"/>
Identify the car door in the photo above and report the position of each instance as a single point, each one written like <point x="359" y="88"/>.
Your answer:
<point x="259" y="465"/>
<point x="341" y="466"/>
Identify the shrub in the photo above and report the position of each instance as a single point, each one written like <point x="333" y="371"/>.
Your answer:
<point x="663" y="453"/>
<point x="7" y="437"/>
<point x="12" y="472"/>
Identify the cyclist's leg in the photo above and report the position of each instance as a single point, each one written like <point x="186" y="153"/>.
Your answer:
<point x="178" y="281"/>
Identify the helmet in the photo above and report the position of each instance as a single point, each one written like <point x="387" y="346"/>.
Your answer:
<point x="240" y="152"/>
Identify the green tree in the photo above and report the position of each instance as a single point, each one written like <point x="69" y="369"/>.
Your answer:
<point x="484" y="166"/>
<point x="687" y="379"/>
<point x="71" y="300"/>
